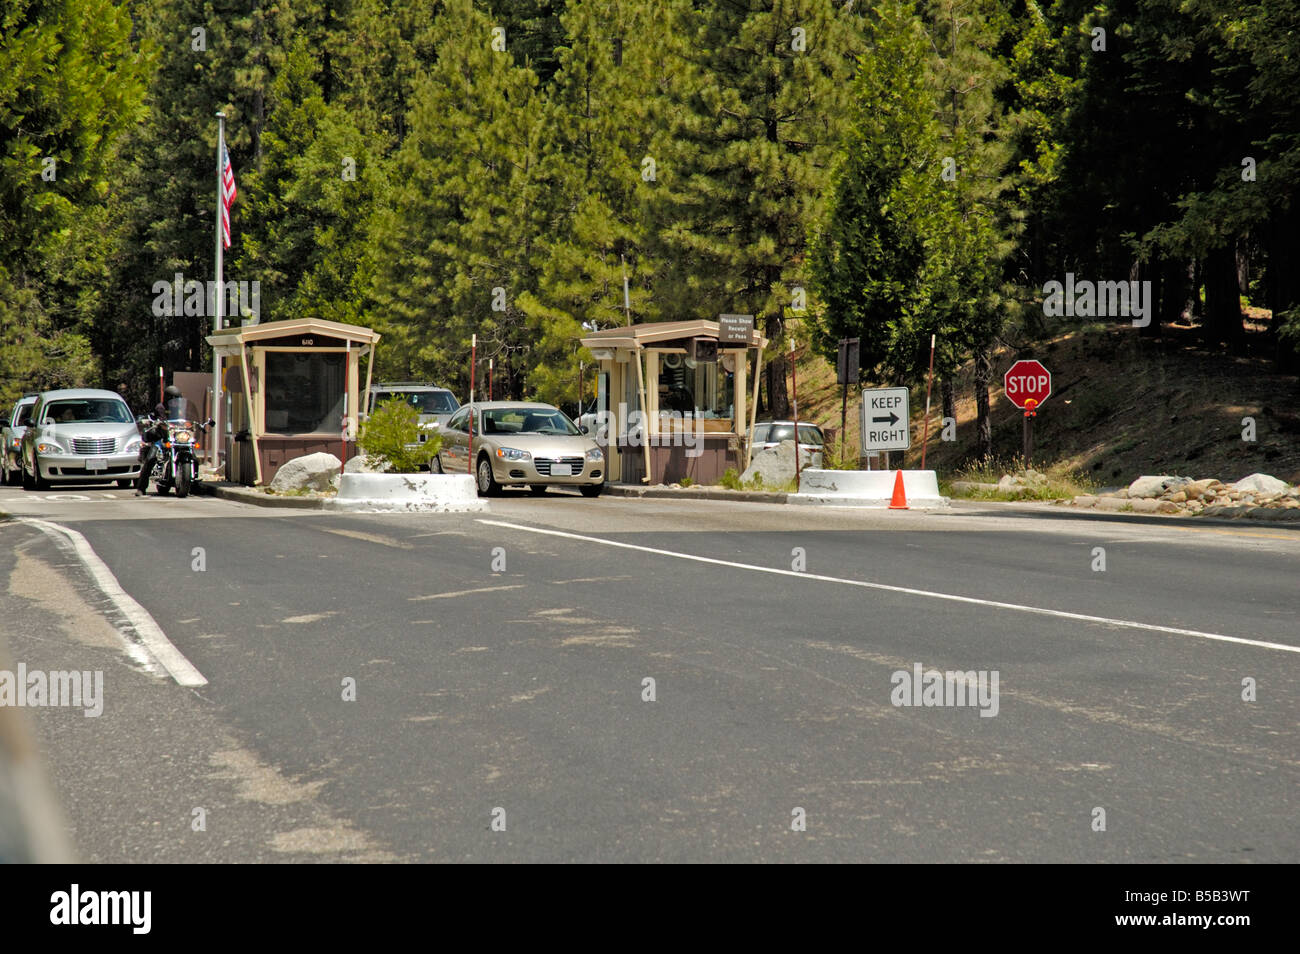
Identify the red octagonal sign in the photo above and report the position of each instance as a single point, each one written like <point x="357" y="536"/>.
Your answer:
<point x="1027" y="380"/>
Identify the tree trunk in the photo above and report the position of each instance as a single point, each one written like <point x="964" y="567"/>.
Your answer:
<point x="984" y="424"/>
<point x="949" y="397"/>
<point x="776" y="371"/>
<point x="1223" y="299"/>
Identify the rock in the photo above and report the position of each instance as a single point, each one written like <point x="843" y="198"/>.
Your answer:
<point x="1179" y="497"/>
<point x="775" y="465"/>
<point x="1112" y="503"/>
<point x="312" y="472"/>
<point x="363" y="464"/>
<point x="1199" y="488"/>
<point x="1263" y="483"/>
<point x="1155" y="486"/>
<point x="1085" y="500"/>
<point x="1144" y="505"/>
<point x="1168" y="506"/>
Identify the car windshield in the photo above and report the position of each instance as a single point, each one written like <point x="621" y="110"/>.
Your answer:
<point x="808" y="434"/>
<point x="426" y="402"/>
<point x="527" y="420"/>
<point x="87" y="411"/>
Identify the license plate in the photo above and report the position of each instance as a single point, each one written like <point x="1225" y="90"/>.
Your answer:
<point x="96" y="463"/>
<point x="561" y="470"/>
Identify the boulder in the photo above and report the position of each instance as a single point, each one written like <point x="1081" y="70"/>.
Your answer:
<point x="312" y="472"/>
<point x="1262" y="483"/>
<point x="1199" y="488"/>
<point x="362" y="464"/>
<point x="1155" y="486"/>
<point x="775" y="465"/>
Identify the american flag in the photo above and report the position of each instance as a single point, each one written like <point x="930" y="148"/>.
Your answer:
<point x="228" y="193"/>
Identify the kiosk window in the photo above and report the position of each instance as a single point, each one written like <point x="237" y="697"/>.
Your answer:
<point x="304" y="392"/>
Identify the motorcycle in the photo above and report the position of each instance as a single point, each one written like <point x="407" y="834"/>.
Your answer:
<point x="168" y="449"/>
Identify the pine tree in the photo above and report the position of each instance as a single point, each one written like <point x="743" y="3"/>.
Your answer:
<point x="753" y="132"/>
<point x="455" y="243"/>
<point x="600" y="124"/>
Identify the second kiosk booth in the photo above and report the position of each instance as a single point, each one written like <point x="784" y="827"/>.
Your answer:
<point x="666" y="371"/>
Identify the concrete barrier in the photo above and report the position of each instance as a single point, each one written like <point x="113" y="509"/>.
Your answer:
<point x="867" y="488"/>
<point x="444" y="493"/>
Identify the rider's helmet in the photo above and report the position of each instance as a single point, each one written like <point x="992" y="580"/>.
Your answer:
<point x="172" y="391"/>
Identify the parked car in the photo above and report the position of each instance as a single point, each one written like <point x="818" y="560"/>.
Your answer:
<point x="519" y="443"/>
<point x="11" y="436"/>
<point x="436" y="405"/>
<point x="79" y="436"/>
<point x="811" y="439"/>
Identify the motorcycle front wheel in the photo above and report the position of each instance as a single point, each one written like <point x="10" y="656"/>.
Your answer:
<point x="183" y="482"/>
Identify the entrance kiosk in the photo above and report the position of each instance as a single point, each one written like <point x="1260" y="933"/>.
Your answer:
<point x="290" y="388"/>
<point x="681" y="399"/>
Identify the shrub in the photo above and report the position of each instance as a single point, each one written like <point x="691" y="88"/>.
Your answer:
<point x="392" y="433"/>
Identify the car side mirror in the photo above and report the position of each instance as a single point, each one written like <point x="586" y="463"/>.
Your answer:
<point x="4" y="422"/>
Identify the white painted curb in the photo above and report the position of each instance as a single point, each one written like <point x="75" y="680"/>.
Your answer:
<point x="867" y="488"/>
<point x="426" y="493"/>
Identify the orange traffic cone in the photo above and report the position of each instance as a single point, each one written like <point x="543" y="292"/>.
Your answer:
<point x="899" y="501"/>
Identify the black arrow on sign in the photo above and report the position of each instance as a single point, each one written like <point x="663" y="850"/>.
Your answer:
<point x="891" y="420"/>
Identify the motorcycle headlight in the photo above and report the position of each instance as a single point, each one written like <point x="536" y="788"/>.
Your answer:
<point x="510" y="453"/>
<point x="182" y="437"/>
<point x="595" y="454"/>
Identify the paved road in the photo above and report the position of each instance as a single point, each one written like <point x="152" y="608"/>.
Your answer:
<point x="772" y="635"/>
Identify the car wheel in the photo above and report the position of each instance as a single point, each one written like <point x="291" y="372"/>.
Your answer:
<point x="487" y="483"/>
<point x="435" y="465"/>
<point x="27" y="482"/>
<point x="592" y="490"/>
<point x="537" y="489"/>
<point x="39" y="482"/>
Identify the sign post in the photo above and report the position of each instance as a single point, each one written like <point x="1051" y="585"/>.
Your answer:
<point x="847" y="366"/>
<point x="1027" y="385"/>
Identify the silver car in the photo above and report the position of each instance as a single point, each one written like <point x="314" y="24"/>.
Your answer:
<point x="519" y="443"/>
<point x="11" y="437"/>
<point x="79" y="436"/>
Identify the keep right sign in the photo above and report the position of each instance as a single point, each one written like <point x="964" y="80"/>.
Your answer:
<point x="1027" y="380"/>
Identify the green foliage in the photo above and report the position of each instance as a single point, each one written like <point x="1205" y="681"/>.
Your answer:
<point x="392" y="433"/>
<point x="464" y="215"/>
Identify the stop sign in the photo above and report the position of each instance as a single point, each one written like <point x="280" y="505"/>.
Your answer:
<point x="1027" y="380"/>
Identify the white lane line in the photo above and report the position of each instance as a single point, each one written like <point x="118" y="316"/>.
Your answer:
<point x="931" y="594"/>
<point x="146" y="628"/>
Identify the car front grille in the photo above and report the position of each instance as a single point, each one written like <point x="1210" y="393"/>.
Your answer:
<point x="93" y="445"/>
<point x="544" y="465"/>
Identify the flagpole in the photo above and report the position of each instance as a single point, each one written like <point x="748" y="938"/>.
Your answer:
<point x="215" y="441"/>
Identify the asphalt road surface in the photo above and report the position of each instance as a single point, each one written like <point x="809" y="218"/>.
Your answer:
<point x="478" y="686"/>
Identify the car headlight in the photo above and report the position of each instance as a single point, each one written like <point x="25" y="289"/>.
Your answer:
<point x="45" y="447"/>
<point x="132" y="445"/>
<point x="510" y="453"/>
<point x="595" y="454"/>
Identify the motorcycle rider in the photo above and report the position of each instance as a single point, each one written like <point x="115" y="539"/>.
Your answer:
<point x="155" y="431"/>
